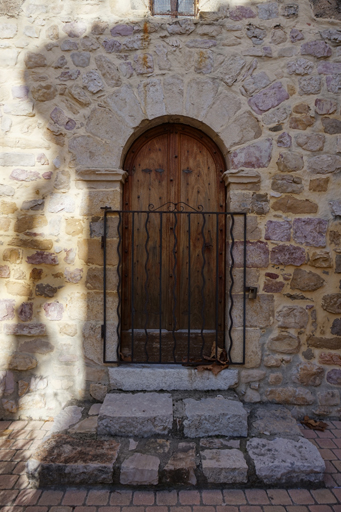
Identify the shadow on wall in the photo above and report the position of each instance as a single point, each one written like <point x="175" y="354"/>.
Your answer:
<point x="64" y="68"/>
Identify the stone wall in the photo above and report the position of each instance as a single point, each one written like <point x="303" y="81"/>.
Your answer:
<point x="81" y="81"/>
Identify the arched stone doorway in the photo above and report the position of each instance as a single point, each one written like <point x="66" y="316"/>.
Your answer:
<point x="173" y="274"/>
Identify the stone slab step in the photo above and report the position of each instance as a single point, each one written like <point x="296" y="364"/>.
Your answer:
<point x="160" y="463"/>
<point x="147" y="414"/>
<point x="140" y="414"/>
<point x="169" y="378"/>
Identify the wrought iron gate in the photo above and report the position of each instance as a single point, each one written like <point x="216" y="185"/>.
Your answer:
<point x="171" y="315"/>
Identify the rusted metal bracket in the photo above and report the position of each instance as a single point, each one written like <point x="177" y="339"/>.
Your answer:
<point x="252" y="291"/>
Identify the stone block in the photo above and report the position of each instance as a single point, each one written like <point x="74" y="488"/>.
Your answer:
<point x="334" y="377"/>
<point x="276" y="421"/>
<point x="278" y="231"/>
<point x="91" y="253"/>
<point x="332" y="303"/>
<point x="308" y="374"/>
<point x="22" y="362"/>
<point x="180" y="467"/>
<point x="257" y="254"/>
<point x="224" y="466"/>
<point x="141" y="414"/>
<point x="244" y="129"/>
<point x="93" y="200"/>
<point x="259" y="312"/>
<point x="286" y="462"/>
<point x="324" y="164"/>
<point x="268" y="98"/>
<point x="254" y="156"/>
<point x="289" y="204"/>
<point x="290" y="396"/>
<point x="214" y="417"/>
<point x="285" y="343"/>
<point x="294" y="317"/>
<point x="286" y="183"/>
<point x="124" y="102"/>
<point x="75" y="462"/>
<point x="317" y="49"/>
<point x="288" y="255"/>
<point x="306" y="280"/>
<point x="140" y="469"/>
<point x="169" y="378"/>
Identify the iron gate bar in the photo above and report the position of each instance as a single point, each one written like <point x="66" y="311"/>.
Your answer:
<point x="173" y="208"/>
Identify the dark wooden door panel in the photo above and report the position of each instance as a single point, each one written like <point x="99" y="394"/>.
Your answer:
<point x="173" y="264"/>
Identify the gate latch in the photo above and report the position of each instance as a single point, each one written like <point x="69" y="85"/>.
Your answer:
<point x="252" y="291"/>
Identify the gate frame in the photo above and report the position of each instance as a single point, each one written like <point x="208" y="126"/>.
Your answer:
<point x="107" y="211"/>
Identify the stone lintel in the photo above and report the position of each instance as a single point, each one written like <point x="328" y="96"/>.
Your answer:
<point x="241" y="177"/>
<point x="99" y="175"/>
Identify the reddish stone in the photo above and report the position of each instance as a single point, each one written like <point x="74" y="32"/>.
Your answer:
<point x="273" y="286"/>
<point x="22" y="175"/>
<point x="6" y="309"/>
<point x="334" y="83"/>
<point x="330" y="358"/>
<point x="334" y="377"/>
<point x="25" y="311"/>
<point x="296" y="35"/>
<point x="310" y="232"/>
<point x="47" y="175"/>
<point x="241" y="12"/>
<point x="53" y="310"/>
<point x="288" y="255"/>
<point x="122" y="30"/>
<point x="329" y="68"/>
<point x="257" y="254"/>
<point x="41" y="257"/>
<point x="4" y="271"/>
<point x="284" y="140"/>
<point x="279" y="231"/>
<point x="268" y="98"/>
<point x="271" y="275"/>
<point x="316" y="48"/>
<point x="111" y="45"/>
<point x="25" y="329"/>
<point x="255" y="156"/>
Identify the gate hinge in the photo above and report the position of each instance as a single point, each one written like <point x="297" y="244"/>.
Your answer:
<point x="252" y="291"/>
<point x="102" y="331"/>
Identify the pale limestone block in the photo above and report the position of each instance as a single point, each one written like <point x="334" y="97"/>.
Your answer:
<point x="173" y="89"/>
<point x="124" y="102"/>
<point x="200" y="95"/>
<point x="151" y="97"/>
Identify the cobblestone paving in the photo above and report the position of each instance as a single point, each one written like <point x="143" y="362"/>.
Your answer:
<point x="19" y="439"/>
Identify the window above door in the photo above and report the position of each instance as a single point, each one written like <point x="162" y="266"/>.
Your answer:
<point x="174" y="8"/>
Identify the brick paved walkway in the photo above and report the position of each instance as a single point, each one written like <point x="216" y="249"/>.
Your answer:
<point x="18" y="439"/>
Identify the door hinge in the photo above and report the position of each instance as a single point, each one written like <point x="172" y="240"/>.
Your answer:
<point x="252" y="291"/>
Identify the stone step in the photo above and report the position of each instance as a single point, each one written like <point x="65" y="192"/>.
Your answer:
<point x="148" y="414"/>
<point x="274" y="454"/>
<point x="174" y="377"/>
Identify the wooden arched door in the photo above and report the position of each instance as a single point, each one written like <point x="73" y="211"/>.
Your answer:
<point x="173" y="262"/>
